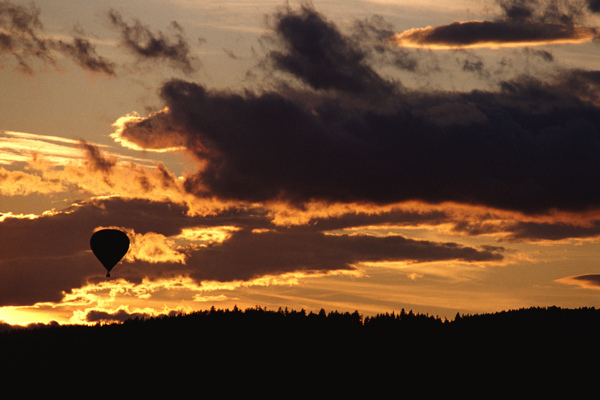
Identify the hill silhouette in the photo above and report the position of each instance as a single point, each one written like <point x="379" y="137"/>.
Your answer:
<point x="328" y="354"/>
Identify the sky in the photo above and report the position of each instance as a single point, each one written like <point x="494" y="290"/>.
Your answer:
<point x="435" y="156"/>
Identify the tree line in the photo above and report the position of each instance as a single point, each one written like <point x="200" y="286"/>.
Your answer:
<point x="586" y="319"/>
<point x="311" y="348"/>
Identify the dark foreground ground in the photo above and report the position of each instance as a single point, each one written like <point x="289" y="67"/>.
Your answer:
<point x="528" y="353"/>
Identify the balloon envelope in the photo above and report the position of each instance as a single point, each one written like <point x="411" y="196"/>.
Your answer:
<point x="109" y="246"/>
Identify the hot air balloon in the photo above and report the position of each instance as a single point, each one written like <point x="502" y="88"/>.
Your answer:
<point x="109" y="246"/>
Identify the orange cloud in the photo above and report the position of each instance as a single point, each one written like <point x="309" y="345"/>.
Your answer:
<point x="56" y="165"/>
<point x="154" y="248"/>
<point x="205" y="236"/>
<point x="13" y="183"/>
<point x="117" y="299"/>
<point x="588" y="281"/>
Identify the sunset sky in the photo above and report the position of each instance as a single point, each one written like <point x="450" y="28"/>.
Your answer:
<point x="437" y="156"/>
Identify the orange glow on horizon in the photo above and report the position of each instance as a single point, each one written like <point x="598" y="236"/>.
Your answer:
<point x="152" y="297"/>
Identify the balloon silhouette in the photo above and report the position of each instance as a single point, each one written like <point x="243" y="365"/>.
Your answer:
<point x="109" y="246"/>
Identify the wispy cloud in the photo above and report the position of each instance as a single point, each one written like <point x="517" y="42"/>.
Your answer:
<point x="148" y="45"/>
<point x="83" y="52"/>
<point x="22" y="37"/>
<point x="39" y="164"/>
<point x="24" y="40"/>
<point x="22" y="147"/>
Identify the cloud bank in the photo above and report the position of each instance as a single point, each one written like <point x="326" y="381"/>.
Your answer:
<point x="54" y="248"/>
<point x="531" y="145"/>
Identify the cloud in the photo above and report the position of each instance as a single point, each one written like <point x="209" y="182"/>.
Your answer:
<point x="83" y="168"/>
<point x="20" y="146"/>
<point x="50" y="254"/>
<point x="97" y="161"/>
<point x="19" y="37"/>
<point x="117" y="316"/>
<point x="315" y="52"/>
<point x="54" y="165"/>
<point x="295" y="178"/>
<point x="588" y="281"/>
<point x="139" y="131"/>
<point x="84" y="54"/>
<point x="13" y="183"/>
<point x="23" y="38"/>
<point x="528" y="145"/>
<point x="147" y="45"/>
<point x="372" y="34"/>
<point x="554" y="231"/>
<point x="524" y="23"/>
<point x="248" y="255"/>
<point x="52" y="251"/>
<point x="534" y="145"/>
<point x="529" y="231"/>
<point x="473" y="34"/>
<point x="594" y="5"/>
<point x="154" y="248"/>
<point x="567" y="12"/>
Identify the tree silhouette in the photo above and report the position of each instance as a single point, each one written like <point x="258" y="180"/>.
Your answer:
<point x="333" y="350"/>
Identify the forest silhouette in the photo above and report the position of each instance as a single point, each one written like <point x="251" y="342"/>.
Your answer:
<point x="339" y="352"/>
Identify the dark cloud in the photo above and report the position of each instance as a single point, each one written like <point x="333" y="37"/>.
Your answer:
<point x="145" y="44"/>
<point x="594" y="5"/>
<point x="528" y="231"/>
<point x="23" y="38"/>
<point x="543" y="54"/>
<point x="396" y="217"/>
<point x="372" y="36"/>
<point x="531" y="146"/>
<point x="20" y="38"/>
<point x="50" y="255"/>
<point x="568" y="12"/>
<point x="95" y="159"/>
<point x="475" y="65"/>
<point x="553" y="231"/>
<point x="84" y="54"/>
<point x="495" y="33"/>
<point x="117" y="316"/>
<point x="315" y="52"/>
<point x="523" y="22"/>
<point x="249" y="255"/>
<point x="584" y="83"/>
<point x="33" y="278"/>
